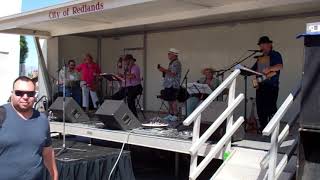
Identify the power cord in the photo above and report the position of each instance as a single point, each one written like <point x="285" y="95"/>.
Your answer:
<point x="120" y="153"/>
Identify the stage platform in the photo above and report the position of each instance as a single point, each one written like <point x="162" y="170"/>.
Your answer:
<point x="91" y="162"/>
<point x="168" y="140"/>
<point x="164" y="139"/>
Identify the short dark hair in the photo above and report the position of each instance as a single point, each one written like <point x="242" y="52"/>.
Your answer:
<point x="25" y="79"/>
<point x="128" y="57"/>
<point x="71" y="61"/>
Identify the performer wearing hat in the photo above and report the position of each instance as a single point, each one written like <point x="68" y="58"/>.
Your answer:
<point x="269" y="64"/>
<point x="131" y="85"/>
<point x="171" y="83"/>
<point x="212" y="81"/>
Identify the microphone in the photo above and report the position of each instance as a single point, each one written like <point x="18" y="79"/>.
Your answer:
<point x="254" y="50"/>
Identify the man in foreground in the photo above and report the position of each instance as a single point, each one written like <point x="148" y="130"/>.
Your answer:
<point x="25" y="142"/>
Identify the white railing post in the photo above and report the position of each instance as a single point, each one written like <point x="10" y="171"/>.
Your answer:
<point x="195" y="137"/>
<point x="273" y="153"/>
<point x="195" y="117"/>
<point x="215" y="150"/>
<point x="231" y="97"/>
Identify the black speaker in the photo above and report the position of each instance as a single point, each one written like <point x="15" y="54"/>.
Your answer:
<point x="115" y="114"/>
<point x="73" y="112"/>
<point x="308" y="155"/>
<point x="309" y="132"/>
<point x="311" y="84"/>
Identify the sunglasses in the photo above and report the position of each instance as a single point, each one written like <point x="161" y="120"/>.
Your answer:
<point x="22" y="93"/>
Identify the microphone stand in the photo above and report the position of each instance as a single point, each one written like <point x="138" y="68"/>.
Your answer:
<point x="64" y="148"/>
<point x="58" y="75"/>
<point x="125" y="85"/>
<point x="185" y="79"/>
<point x="245" y="76"/>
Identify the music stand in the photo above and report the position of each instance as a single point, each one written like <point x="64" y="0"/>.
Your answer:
<point x="185" y="80"/>
<point x="245" y="72"/>
<point x="237" y="63"/>
<point x="111" y="77"/>
<point x="197" y="88"/>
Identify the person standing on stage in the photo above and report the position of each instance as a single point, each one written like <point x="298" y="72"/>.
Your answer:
<point x="267" y="90"/>
<point x="131" y="84"/>
<point x="171" y="83"/>
<point x="72" y="83"/>
<point x="90" y="72"/>
<point x="25" y="141"/>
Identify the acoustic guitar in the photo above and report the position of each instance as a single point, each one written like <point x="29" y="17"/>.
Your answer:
<point x="261" y="78"/>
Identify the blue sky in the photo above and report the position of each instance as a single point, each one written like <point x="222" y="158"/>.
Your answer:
<point x="28" y="5"/>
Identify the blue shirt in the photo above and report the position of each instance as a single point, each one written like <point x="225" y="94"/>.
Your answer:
<point x="21" y="145"/>
<point x="275" y="58"/>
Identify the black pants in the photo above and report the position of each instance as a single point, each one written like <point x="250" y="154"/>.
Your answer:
<point x="266" y="98"/>
<point x="131" y="93"/>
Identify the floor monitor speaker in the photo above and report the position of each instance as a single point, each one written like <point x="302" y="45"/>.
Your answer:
<point x="74" y="112"/>
<point x="115" y="114"/>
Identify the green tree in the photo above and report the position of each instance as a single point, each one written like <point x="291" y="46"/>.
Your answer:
<point x="23" y="54"/>
<point x="23" y="49"/>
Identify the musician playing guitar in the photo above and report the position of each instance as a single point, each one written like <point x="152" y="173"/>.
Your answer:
<point x="267" y="88"/>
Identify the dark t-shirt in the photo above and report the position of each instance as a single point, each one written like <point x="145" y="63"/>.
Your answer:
<point x="21" y="145"/>
<point x="275" y="58"/>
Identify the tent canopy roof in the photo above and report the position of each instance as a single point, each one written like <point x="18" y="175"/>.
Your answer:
<point x="110" y="17"/>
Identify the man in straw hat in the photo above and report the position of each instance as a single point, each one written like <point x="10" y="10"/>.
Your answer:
<point x="171" y="83"/>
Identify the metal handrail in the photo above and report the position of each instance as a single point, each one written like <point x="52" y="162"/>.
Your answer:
<point x="278" y="116"/>
<point x="192" y="117"/>
<point x="225" y="141"/>
<point x="272" y="128"/>
<point x="216" y="149"/>
<point x="216" y="124"/>
<point x="281" y="112"/>
<point x="285" y="131"/>
<point x="284" y="161"/>
<point x="282" y="136"/>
